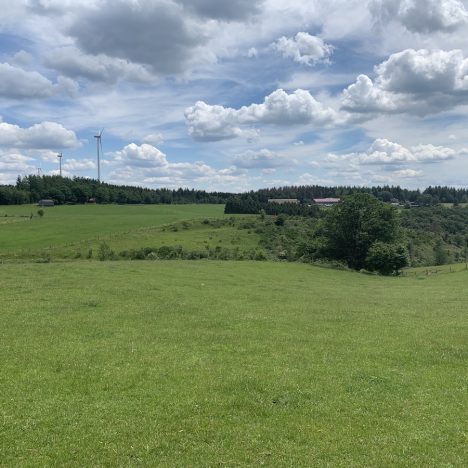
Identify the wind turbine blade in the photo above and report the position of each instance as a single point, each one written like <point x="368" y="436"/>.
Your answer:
<point x="100" y="134"/>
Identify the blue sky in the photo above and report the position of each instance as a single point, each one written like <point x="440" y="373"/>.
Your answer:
<point x="236" y="95"/>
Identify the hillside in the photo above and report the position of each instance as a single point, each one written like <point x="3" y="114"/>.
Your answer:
<point x="432" y="235"/>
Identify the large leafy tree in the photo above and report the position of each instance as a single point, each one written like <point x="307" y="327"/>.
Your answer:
<point x="353" y="226"/>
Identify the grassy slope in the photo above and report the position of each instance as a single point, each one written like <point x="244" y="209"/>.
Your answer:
<point x="63" y="225"/>
<point x="222" y="363"/>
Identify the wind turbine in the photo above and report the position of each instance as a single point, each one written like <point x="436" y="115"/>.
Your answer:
<point x="60" y="159"/>
<point x="99" y="151"/>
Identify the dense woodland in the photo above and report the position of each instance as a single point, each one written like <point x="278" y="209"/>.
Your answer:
<point x="251" y="205"/>
<point x="32" y="188"/>
<point x="306" y="193"/>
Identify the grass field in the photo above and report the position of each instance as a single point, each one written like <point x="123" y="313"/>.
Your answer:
<point x="230" y="364"/>
<point x="207" y="363"/>
<point x="67" y="229"/>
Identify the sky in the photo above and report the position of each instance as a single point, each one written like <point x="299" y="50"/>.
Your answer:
<point x="236" y="95"/>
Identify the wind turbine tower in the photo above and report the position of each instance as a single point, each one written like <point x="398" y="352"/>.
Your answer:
<point x="99" y="152"/>
<point x="60" y="159"/>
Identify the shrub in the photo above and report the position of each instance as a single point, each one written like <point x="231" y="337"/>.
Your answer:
<point x="105" y="252"/>
<point x="386" y="258"/>
<point x="280" y="220"/>
<point x="40" y="213"/>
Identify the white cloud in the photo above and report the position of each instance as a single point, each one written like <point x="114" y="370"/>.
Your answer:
<point x="422" y="16"/>
<point x="385" y="152"/>
<point x="154" y="139"/>
<point x="407" y="173"/>
<point x="15" y="163"/>
<point x="45" y="135"/>
<point x="212" y="123"/>
<point x="78" y="164"/>
<point x="146" y="164"/>
<point x="72" y="62"/>
<point x="16" y="83"/>
<point x="304" y="48"/>
<point x="418" y="82"/>
<point x="47" y="155"/>
<point x="262" y="159"/>
<point x="144" y="156"/>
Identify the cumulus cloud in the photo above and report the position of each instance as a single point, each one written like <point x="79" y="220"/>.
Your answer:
<point x="422" y="16"/>
<point x="304" y="48"/>
<point x="385" y="152"/>
<point x="45" y="135"/>
<point x="71" y="62"/>
<point x="17" y="83"/>
<point x="14" y="163"/>
<point x="78" y="164"/>
<point x="144" y="156"/>
<point x="212" y="123"/>
<point x="262" y="159"/>
<point x="412" y="81"/>
<point x="147" y="164"/>
<point x="154" y="33"/>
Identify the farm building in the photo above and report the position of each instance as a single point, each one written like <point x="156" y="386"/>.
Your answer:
<point x="283" y="201"/>
<point x="45" y="203"/>
<point x="326" y="201"/>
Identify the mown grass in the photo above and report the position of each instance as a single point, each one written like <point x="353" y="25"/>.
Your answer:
<point x="230" y="364"/>
<point x="64" y="227"/>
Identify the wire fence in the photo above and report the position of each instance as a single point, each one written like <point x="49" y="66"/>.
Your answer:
<point x="435" y="270"/>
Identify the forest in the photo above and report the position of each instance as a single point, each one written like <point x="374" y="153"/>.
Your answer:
<point x="32" y="188"/>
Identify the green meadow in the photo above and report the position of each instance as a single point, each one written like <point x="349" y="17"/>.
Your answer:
<point x="65" y="230"/>
<point x="220" y="363"/>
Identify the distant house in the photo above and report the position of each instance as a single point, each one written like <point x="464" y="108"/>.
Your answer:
<point x="283" y="201"/>
<point x="326" y="201"/>
<point x="45" y="203"/>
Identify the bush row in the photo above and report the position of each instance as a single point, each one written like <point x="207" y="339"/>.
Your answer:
<point x="167" y="252"/>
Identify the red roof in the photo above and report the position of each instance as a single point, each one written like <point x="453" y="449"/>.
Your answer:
<point x="326" y="200"/>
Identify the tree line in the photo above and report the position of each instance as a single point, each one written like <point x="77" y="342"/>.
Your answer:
<point x="32" y="188"/>
<point x="250" y="205"/>
<point x="306" y="194"/>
